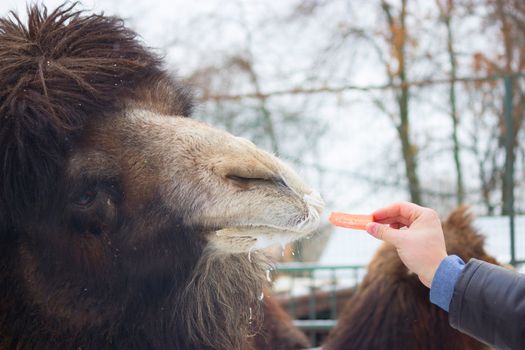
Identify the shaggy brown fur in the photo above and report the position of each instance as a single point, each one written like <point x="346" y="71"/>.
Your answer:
<point x="391" y="309"/>
<point x="278" y="331"/>
<point x="111" y="202"/>
<point x="53" y="78"/>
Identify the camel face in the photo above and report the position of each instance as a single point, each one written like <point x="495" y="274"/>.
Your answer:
<point x="243" y="198"/>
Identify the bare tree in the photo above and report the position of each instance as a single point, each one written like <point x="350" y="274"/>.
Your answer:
<point x="509" y="18"/>
<point x="446" y="9"/>
<point x="397" y="37"/>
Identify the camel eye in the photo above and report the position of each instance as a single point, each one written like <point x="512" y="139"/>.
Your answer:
<point x="86" y="199"/>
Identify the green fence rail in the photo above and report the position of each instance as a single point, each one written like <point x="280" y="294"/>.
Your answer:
<point x="314" y="294"/>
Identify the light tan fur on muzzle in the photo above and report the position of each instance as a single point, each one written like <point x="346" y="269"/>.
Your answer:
<point x="246" y="197"/>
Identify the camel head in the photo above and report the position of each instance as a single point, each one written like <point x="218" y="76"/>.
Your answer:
<point x="119" y="212"/>
<point x="238" y="197"/>
<point x="166" y="172"/>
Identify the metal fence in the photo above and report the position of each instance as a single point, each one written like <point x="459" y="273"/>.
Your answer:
<point x="315" y="294"/>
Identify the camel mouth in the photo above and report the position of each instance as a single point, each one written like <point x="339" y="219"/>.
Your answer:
<point x="256" y="236"/>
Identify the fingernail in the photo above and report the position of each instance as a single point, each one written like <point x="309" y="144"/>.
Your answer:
<point x="372" y="228"/>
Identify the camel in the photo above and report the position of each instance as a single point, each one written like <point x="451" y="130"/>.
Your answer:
<point x="125" y="224"/>
<point x="391" y="308"/>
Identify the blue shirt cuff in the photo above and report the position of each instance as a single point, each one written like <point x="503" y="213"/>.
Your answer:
<point x="445" y="280"/>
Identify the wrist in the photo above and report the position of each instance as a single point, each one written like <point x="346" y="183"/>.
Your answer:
<point x="428" y="276"/>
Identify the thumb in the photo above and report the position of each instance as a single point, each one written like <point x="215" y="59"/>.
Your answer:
<point x="383" y="232"/>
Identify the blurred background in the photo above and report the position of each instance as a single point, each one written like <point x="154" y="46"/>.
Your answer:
<point x="373" y="101"/>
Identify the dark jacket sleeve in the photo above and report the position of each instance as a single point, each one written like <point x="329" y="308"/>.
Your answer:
<point x="489" y="304"/>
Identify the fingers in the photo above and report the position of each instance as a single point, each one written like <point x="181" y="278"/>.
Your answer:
<point x="402" y="212"/>
<point x="383" y="232"/>
<point x="394" y="220"/>
<point x="397" y="225"/>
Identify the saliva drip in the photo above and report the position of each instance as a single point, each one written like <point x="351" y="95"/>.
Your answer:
<point x="250" y="254"/>
<point x="268" y="276"/>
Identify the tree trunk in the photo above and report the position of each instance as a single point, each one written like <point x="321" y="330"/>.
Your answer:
<point x="446" y="14"/>
<point x="408" y="149"/>
<point x="509" y="33"/>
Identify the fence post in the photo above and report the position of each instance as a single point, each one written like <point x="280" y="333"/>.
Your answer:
<point x="509" y="164"/>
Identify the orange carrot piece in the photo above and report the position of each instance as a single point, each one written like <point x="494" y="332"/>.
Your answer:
<point x="354" y="221"/>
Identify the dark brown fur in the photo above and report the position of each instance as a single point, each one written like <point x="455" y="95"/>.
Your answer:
<point x="278" y="331"/>
<point x="128" y="272"/>
<point x="56" y="74"/>
<point x="391" y="309"/>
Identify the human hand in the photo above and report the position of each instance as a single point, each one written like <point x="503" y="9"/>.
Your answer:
<point x="417" y="235"/>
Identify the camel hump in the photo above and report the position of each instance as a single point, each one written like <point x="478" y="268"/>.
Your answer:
<point x="391" y="310"/>
<point x="462" y="237"/>
<point x="460" y="218"/>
